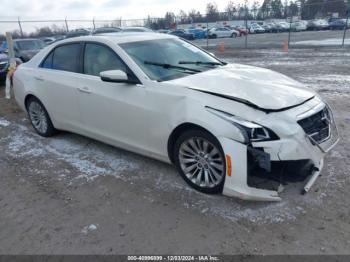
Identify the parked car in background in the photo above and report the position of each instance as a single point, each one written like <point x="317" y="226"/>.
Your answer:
<point x="269" y="27"/>
<point x="242" y="30"/>
<point x="183" y="34"/>
<point x="136" y="29"/>
<point x="272" y="27"/>
<point x="48" y="40"/>
<point x="256" y="29"/>
<point x="284" y="26"/>
<point x="277" y="27"/>
<point x="103" y="30"/>
<point x="339" y="24"/>
<point x="4" y="64"/>
<point x="59" y="37"/>
<point x="3" y="47"/>
<point x="298" y="26"/>
<point x="163" y="31"/>
<point x="222" y="32"/>
<point x="317" y="24"/>
<point x="24" y="49"/>
<point x="78" y="32"/>
<point x="197" y="32"/>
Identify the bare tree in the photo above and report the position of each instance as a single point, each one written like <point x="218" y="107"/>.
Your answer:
<point x="212" y="12"/>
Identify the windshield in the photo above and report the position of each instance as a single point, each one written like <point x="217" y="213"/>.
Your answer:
<point x="174" y="54"/>
<point x="30" y="44"/>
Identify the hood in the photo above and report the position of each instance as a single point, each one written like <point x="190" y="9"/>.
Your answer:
<point x="257" y="87"/>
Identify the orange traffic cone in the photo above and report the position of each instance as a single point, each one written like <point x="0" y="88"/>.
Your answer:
<point x="221" y="47"/>
<point x="285" y="46"/>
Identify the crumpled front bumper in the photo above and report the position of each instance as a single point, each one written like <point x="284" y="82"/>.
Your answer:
<point x="299" y="147"/>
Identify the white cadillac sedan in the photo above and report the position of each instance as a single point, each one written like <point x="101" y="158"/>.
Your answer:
<point x="160" y="96"/>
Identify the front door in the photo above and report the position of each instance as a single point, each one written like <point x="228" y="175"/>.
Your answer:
<point x="112" y="112"/>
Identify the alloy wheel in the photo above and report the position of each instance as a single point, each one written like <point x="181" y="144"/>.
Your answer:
<point x="38" y="117"/>
<point x="201" y="162"/>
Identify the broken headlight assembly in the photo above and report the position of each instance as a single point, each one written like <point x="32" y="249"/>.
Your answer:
<point x="251" y="132"/>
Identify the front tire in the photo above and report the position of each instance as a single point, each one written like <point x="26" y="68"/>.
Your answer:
<point x="200" y="161"/>
<point x="39" y="118"/>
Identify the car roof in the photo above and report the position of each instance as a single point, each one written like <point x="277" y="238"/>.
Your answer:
<point x="121" y="37"/>
<point x="26" y="39"/>
<point x="137" y="27"/>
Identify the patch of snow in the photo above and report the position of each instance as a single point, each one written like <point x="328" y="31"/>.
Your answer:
<point x="89" y="228"/>
<point x="268" y="213"/>
<point x="91" y="161"/>
<point x="324" y="42"/>
<point x="335" y="84"/>
<point x="4" y="122"/>
<point x="336" y="154"/>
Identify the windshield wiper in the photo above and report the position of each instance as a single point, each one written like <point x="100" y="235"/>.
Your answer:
<point x="169" y="66"/>
<point x="199" y="63"/>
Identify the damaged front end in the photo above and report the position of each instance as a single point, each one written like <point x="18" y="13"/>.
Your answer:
<point x="274" y="175"/>
<point x="262" y="168"/>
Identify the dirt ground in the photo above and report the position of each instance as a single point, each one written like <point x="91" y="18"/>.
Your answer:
<point x="72" y="195"/>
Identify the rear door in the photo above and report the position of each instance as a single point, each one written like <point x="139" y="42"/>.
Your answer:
<point x="57" y="79"/>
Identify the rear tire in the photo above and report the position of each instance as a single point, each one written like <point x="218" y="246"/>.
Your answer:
<point x="200" y="160"/>
<point x="39" y="118"/>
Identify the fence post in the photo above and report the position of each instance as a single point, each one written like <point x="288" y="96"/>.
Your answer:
<point x="207" y="34"/>
<point x="290" y="29"/>
<point x="247" y="32"/>
<point x="12" y="65"/>
<point x="11" y="51"/>
<point x="20" y="28"/>
<point x="346" y="26"/>
<point x="65" y="21"/>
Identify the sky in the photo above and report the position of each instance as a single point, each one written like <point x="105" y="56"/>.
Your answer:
<point x="100" y="9"/>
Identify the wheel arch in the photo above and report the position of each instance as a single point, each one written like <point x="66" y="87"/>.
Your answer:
<point x="180" y="129"/>
<point x="30" y="95"/>
<point x="27" y="97"/>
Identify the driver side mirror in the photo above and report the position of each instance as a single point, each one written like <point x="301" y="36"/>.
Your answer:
<point x="117" y="76"/>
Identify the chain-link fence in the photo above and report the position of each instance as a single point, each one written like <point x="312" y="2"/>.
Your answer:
<point x="294" y="25"/>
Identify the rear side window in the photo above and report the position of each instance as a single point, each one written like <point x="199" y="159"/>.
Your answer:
<point x="48" y="61"/>
<point x="66" y="58"/>
<point x="99" y="58"/>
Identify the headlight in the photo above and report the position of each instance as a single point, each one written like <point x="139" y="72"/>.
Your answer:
<point x="252" y="132"/>
<point x="3" y="65"/>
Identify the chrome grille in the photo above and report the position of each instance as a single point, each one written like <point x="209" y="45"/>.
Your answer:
<point x="317" y="126"/>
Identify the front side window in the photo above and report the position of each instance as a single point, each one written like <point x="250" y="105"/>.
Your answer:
<point x="166" y="59"/>
<point x="66" y="58"/>
<point x="99" y="58"/>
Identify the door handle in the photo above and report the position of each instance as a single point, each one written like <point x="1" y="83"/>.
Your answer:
<point x="84" y="90"/>
<point x="39" y="78"/>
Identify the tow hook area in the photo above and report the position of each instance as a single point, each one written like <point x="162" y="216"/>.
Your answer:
<point x="312" y="180"/>
<point x="274" y="175"/>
